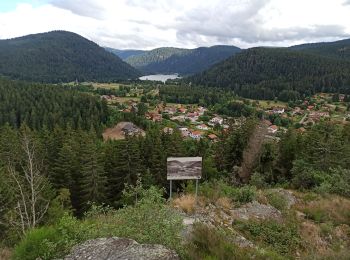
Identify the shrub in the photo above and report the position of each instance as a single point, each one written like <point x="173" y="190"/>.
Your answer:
<point x="258" y="180"/>
<point x="246" y="194"/>
<point x="276" y="200"/>
<point x="38" y="243"/>
<point x="283" y="238"/>
<point x="218" y="189"/>
<point x="329" y="209"/>
<point x="150" y="220"/>
<point x="211" y="243"/>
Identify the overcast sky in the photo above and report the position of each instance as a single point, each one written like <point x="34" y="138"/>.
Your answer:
<point x="147" y="24"/>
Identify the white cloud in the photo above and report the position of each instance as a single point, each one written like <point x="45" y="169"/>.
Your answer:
<point x="184" y="23"/>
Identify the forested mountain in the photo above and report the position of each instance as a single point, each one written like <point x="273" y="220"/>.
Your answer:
<point x="60" y="56"/>
<point x="182" y="61"/>
<point x="46" y="106"/>
<point x="338" y="49"/>
<point x="124" y="54"/>
<point x="266" y="73"/>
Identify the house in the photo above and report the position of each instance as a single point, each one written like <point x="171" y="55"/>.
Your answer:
<point x="202" y="127"/>
<point x="130" y="129"/>
<point x="184" y="131"/>
<point x="168" y="130"/>
<point x="301" y="130"/>
<point x="310" y="108"/>
<point x="193" y="117"/>
<point x="216" y="120"/>
<point x="155" y="117"/>
<point x="297" y="111"/>
<point x="213" y="137"/>
<point x="180" y="118"/>
<point x="272" y="129"/>
<point x="267" y="122"/>
<point x="316" y="116"/>
<point x="170" y="110"/>
<point x="278" y="110"/>
<point x="201" y="110"/>
<point x="196" y="135"/>
<point x="105" y="97"/>
<point x="182" y="110"/>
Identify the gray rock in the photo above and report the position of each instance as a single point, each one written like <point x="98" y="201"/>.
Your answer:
<point x="255" y="210"/>
<point x="120" y="248"/>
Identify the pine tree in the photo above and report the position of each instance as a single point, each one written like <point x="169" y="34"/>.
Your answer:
<point x="93" y="180"/>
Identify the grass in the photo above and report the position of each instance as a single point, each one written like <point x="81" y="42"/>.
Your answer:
<point x="283" y="238"/>
<point x="265" y="104"/>
<point x="276" y="200"/>
<point x="186" y="203"/>
<point x="210" y="243"/>
<point x="332" y="209"/>
<point x="5" y="254"/>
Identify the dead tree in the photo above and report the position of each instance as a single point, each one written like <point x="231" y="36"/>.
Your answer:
<point x="29" y="187"/>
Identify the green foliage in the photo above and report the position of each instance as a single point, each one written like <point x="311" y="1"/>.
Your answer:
<point x="60" y="56"/>
<point x="276" y="200"/>
<point x="282" y="238"/>
<point x="40" y="106"/>
<point x="317" y="214"/>
<point x="210" y="243"/>
<point x="59" y="206"/>
<point x="338" y="49"/>
<point x="40" y="242"/>
<point x="150" y="220"/>
<point x="268" y="73"/>
<point x="216" y="189"/>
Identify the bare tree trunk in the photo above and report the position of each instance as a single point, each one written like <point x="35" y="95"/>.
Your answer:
<point x="29" y="185"/>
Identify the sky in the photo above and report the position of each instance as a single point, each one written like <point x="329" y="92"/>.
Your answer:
<point x="148" y="24"/>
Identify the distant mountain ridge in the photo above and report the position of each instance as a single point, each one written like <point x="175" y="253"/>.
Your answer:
<point x="168" y="60"/>
<point x="124" y="54"/>
<point x="60" y="56"/>
<point x="284" y="73"/>
<point x="336" y="50"/>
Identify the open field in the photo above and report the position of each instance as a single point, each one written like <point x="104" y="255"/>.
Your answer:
<point x="265" y="104"/>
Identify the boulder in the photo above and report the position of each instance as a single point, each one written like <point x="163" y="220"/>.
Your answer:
<point x="120" y="248"/>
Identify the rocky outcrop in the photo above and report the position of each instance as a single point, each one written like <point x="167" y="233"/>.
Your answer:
<point x="120" y="248"/>
<point x="255" y="210"/>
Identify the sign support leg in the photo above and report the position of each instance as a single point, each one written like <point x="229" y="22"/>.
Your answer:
<point x="171" y="189"/>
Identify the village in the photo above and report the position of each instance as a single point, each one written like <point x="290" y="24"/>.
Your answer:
<point x="198" y="122"/>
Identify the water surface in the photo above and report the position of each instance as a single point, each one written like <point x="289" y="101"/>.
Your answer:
<point x="160" y="77"/>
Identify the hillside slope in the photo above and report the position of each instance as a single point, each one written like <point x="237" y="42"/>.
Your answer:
<point x="124" y="54"/>
<point x="338" y="49"/>
<point x="266" y="73"/>
<point x="60" y="56"/>
<point x="182" y="61"/>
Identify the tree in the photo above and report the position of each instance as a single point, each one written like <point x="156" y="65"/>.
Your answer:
<point x="93" y="180"/>
<point x="31" y="189"/>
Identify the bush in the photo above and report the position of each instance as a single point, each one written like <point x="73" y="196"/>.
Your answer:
<point x="38" y="243"/>
<point x="283" y="238"/>
<point x="53" y="241"/>
<point x="211" y="243"/>
<point x="218" y="189"/>
<point x="276" y="200"/>
<point x="150" y="220"/>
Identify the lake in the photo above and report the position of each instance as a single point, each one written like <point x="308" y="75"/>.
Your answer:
<point x="160" y="77"/>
